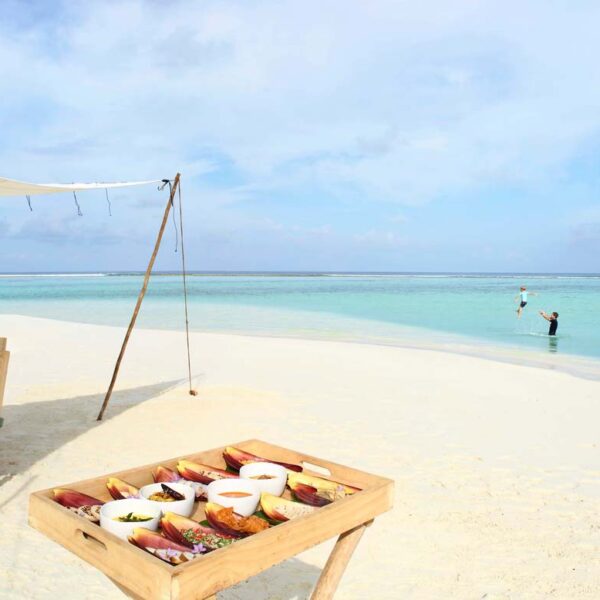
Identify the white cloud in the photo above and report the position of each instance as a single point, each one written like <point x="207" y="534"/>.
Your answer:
<point x="380" y="239"/>
<point x="399" y="100"/>
<point x="389" y="100"/>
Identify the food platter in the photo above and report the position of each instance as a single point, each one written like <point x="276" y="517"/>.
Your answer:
<point x="193" y="557"/>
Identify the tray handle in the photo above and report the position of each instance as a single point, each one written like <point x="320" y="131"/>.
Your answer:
<point x="316" y="468"/>
<point x="98" y="544"/>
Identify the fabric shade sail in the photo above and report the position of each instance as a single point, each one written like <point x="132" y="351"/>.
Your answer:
<point x="11" y="187"/>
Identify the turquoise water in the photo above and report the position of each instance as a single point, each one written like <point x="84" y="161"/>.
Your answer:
<point x="391" y="309"/>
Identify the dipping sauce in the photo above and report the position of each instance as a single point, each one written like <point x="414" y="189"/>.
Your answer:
<point x="161" y="497"/>
<point x="263" y="477"/>
<point x="167" y="495"/>
<point x="132" y="518"/>
<point x="235" y="494"/>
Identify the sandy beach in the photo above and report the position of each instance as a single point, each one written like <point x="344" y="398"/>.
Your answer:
<point x="496" y="465"/>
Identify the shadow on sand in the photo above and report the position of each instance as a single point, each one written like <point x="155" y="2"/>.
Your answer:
<point x="35" y="430"/>
<point x="32" y="431"/>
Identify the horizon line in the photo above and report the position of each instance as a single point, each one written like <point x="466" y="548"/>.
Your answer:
<point x="193" y="272"/>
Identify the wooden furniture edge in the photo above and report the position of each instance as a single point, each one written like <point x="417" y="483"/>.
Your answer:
<point x="4" y="360"/>
<point x="245" y="443"/>
<point x="317" y="461"/>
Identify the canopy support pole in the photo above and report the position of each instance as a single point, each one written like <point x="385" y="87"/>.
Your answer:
<point x="140" y="296"/>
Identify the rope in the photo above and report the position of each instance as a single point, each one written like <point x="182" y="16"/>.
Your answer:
<point x="79" y="213"/>
<point x="183" y="273"/>
<point x="29" y="203"/>
<point x="108" y="202"/>
<point x="174" y="221"/>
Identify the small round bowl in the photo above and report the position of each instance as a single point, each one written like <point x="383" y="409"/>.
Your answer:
<point x="119" y="508"/>
<point x="274" y="486"/>
<point x="244" y="506"/>
<point x="180" y="507"/>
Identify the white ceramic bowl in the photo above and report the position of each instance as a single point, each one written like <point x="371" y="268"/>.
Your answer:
<point x="119" y="508"/>
<point x="180" y="507"/>
<point x="244" y="506"/>
<point x="274" y="486"/>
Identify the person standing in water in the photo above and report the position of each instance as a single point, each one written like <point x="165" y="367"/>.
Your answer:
<point x="522" y="298"/>
<point x="553" y="319"/>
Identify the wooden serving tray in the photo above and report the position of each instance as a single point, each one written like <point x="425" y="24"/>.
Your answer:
<point x="141" y="575"/>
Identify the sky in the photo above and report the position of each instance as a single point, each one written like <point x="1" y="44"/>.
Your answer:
<point x="339" y="136"/>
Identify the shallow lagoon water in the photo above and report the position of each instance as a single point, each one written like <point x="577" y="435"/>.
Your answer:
<point x="381" y="308"/>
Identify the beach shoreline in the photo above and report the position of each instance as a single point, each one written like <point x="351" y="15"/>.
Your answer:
<point x="496" y="465"/>
<point x="585" y="367"/>
<point x="472" y="314"/>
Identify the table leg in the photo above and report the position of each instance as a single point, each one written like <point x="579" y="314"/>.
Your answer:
<point x="336" y="563"/>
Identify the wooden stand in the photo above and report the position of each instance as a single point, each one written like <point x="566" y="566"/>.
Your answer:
<point x="145" y="577"/>
<point x="4" y="356"/>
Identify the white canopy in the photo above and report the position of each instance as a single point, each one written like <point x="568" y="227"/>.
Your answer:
<point x="11" y="187"/>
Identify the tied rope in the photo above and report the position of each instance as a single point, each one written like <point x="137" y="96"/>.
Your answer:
<point x="174" y="221"/>
<point x="166" y="182"/>
<point x="185" y="302"/>
<point x="108" y="202"/>
<point x="79" y="213"/>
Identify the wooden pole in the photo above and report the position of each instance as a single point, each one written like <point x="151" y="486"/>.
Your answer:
<point x="140" y="297"/>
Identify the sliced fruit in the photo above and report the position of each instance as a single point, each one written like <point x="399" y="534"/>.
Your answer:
<point x="320" y="483"/>
<point x="202" y="473"/>
<point x="190" y="533"/>
<point x="74" y="499"/>
<point x="164" y="475"/>
<point x="236" y="459"/>
<point x="225" y="520"/>
<point x="310" y="495"/>
<point x="280" y="509"/>
<point x="162" y="547"/>
<point x="83" y="505"/>
<point x="120" y="489"/>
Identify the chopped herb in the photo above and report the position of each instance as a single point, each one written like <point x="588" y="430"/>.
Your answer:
<point x="209" y="540"/>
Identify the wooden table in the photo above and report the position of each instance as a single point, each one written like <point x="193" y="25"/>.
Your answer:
<point x="143" y="576"/>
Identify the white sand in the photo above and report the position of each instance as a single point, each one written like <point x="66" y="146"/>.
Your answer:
<point x="496" y="465"/>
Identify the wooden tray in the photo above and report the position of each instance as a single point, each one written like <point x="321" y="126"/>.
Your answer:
<point x="141" y="575"/>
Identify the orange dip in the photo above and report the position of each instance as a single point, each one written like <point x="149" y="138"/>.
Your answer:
<point x="235" y="494"/>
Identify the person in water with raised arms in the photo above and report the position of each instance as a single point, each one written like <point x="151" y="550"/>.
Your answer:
<point x="553" y="319"/>
<point x="522" y="298"/>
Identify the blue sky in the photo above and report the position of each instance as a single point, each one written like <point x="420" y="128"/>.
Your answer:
<point x="443" y="136"/>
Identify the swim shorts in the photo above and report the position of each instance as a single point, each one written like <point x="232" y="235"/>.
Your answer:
<point x="523" y="304"/>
